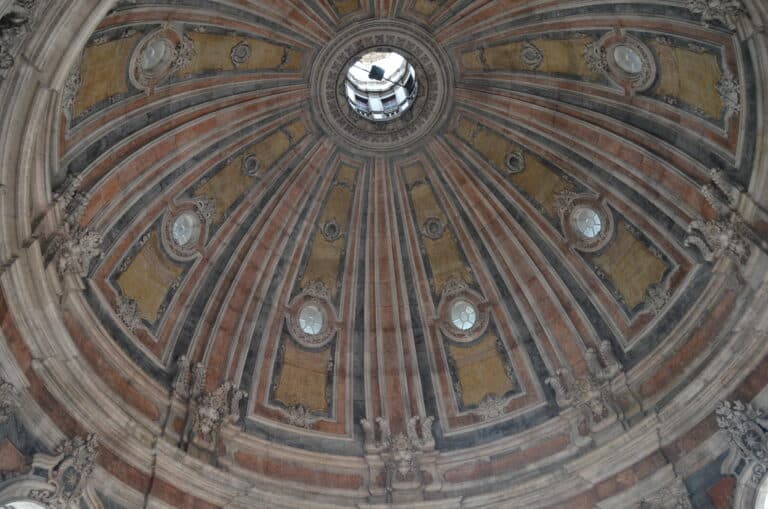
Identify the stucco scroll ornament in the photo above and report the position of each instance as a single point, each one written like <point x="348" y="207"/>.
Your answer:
<point x="78" y="251"/>
<point x="723" y="237"/>
<point x="400" y="453"/>
<point x="70" y="476"/>
<point x="729" y="91"/>
<point x="596" y="57"/>
<point x="301" y="417"/>
<point x="212" y="410"/>
<point x="590" y="394"/>
<point x="720" y="193"/>
<point x="9" y="400"/>
<point x="726" y="12"/>
<point x="746" y="429"/>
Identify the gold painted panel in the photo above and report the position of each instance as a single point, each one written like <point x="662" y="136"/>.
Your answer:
<point x="229" y="184"/>
<point x="326" y="256"/>
<point x="690" y="77"/>
<point x="631" y="265"/>
<point x="443" y="253"/>
<point x="103" y="72"/>
<point x="426" y="7"/>
<point x="480" y="370"/>
<point x="344" y="7"/>
<point x="303" y="378"/>
<point x="212" y="53"/>
<point x="148" y="278"/>
<point x="538" y="180"/>
<point x="226" y="187"/>
<point x="560" y="56"/>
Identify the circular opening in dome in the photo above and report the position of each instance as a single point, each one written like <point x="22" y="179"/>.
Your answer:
<point x="155" y="54"/>
<point x="186" y="228"/>
<point x="628" y="59"/>
<point x="381" y="85"/>
<point x="463" y="314"/>
<point x="311" y="319"/>
<point x="587" y="222"/>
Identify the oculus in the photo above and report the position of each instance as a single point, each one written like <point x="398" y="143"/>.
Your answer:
<point x="627" y="59"/>
<point x="463" y="314"/>
<point x="587" y="222"/>
<point x="381" y="85"/>
<point x="311" y="320"/>
<point x="310" y="317"/>
<point x="186" y="229"/>
<point x="157" y="56"/>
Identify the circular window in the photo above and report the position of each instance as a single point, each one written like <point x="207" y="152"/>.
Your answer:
<point x="155" y="54"/>
<point x="186" y="229"/>
<point x="381" y="85"/>
<point x="628" y="59"/>
<point x="587" y="222"/>
<point x="311" y="319"/>
<point x="463" y="315"/>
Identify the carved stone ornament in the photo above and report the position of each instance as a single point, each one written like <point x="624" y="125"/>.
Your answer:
<point x="183" y="377"/>
<point x="178" y="54"/>
<point x="656" y="298"/>
<point x="14" y="25"/>
<point x="515" y="162"/>
<point x="720" y="193"/>
<point x="78" y="251"/>
<point x="206" y="209"/>
<point x="331" y="230"/>
<point x="433" y="228"/>
<point x="301" y="417"/>
<point x="69" y="477"/>
<point x="491" y="407"/>
<point x="400" y="453"/>
<point x="251" y="165"/>
<point x="746" y="429"/>
<point x="9" y="400"/>
<point x="211" y="410"/>
<point x="531" y="56"/>
<point x="729" y="91"/>
<point x="240" y="53"/>
<point x="723" y="237"/>
<point x="336" y="117"/>
<point x="69" y="92"/>
<point x="726" y="12"/>
<point x="591" y="394"/>
<point x="128" y="313"/>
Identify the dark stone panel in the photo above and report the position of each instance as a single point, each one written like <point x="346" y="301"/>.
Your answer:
<point x="699" y="482"/>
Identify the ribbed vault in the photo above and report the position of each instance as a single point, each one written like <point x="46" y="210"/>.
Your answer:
<point x="586" y="181"/>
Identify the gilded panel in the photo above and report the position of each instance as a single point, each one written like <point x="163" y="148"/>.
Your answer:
<point x="303" y="377"/>
<point x="546" y="56"/>
<point x="702" y="73"/>
<point x="344" y="7"/>
<point x="230" y="183"/>
<point x="330" y="241"/>
<point x="103" y="73"/>
<point x="148" y="278"/>
<point x="444" y="257"/>
<point x="630" y="264"/>
<point x="481" y="370"/>
<point x="213" y="52"/>
<point x="538" y="181"/>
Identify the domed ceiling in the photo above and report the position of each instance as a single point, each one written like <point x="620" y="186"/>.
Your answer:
<point x="501" y="298"/>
